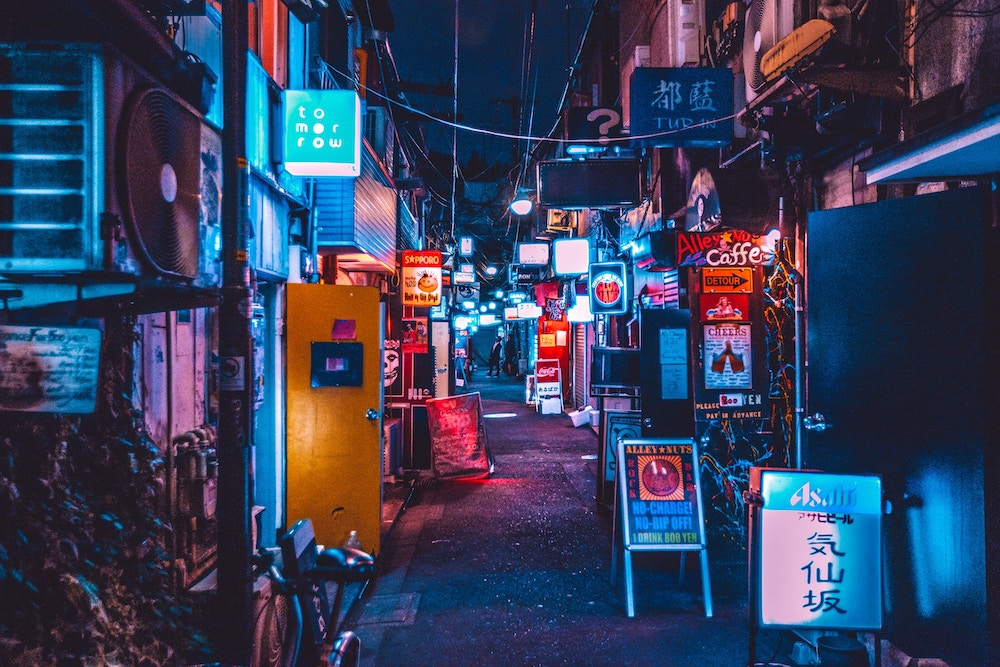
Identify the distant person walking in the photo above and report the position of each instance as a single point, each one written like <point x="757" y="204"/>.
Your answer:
<point x="495" y="353"/>
<point x="510" y="356"/>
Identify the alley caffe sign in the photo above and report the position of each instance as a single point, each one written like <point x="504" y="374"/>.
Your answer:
<point x="732" y="247"/>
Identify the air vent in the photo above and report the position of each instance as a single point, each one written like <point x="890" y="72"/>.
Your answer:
<point x="159" y="181"/>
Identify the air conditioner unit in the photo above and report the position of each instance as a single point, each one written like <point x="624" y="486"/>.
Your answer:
<point x="678" y="34"/>
<point x="381" y="134"/>
<point x="766" y="23"/>
<point x="638" y="58"/>
<point x="109" y="170"/>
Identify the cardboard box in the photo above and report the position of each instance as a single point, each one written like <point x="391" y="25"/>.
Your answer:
<point x="581" y="416"/>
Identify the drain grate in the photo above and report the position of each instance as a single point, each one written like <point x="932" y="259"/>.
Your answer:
<point x="381" y="609"/>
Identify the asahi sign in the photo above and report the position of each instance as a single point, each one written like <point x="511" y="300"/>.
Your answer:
<point x="818" y="558"/>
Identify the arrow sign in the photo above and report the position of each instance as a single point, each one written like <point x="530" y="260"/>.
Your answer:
<point x="732" y="281"/>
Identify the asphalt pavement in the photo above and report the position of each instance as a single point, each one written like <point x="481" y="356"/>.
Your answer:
<point x="516" y="568"/>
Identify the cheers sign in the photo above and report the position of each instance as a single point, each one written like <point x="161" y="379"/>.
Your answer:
<point x="732" y="247"/>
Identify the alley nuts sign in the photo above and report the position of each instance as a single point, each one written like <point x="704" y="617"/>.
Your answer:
<point x="421" y="273"/>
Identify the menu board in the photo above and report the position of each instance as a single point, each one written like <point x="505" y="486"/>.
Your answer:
<point x="660" y="497"/>
<point x="49" y="369"/>
<point x="660" y="506"/>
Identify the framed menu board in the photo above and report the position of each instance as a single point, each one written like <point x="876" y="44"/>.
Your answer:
<point x="659" y="504"/>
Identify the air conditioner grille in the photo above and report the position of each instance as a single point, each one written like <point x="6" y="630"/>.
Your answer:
<point x="160" y="183"/>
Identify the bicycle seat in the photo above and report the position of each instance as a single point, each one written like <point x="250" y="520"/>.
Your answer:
<point x="343" y="564"/>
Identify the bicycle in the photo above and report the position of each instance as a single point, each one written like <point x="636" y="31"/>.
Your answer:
<point x="294" y="619"/>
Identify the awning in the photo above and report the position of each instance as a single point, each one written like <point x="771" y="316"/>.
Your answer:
<point x="966" y="147"/>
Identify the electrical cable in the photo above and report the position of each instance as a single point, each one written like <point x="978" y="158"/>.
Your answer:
<point x="537" y="138"/>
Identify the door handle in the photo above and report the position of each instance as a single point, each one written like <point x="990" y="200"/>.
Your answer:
<point x="816" y="422"/>
<point x="372" y="414"/>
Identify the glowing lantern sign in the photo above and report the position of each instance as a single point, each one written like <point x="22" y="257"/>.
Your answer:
<point x="421" y="273"/>
<point x="609" y="288"/>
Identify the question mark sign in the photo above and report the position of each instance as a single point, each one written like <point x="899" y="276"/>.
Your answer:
<point x="613" y="118"/>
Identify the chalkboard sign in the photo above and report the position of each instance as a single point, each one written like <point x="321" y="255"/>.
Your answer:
<point x="660" y="506"/>
<point x="49" y="369"/>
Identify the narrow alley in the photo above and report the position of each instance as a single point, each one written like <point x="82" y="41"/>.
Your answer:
<point x="515" y="569"/>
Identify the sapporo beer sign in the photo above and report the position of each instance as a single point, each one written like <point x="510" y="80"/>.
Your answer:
<point x="733" y="247"/>
<point x="609" y="288"/>
<point x="421" y="277"/>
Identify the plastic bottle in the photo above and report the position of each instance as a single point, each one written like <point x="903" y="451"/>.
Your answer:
<point x="352" y="540"/>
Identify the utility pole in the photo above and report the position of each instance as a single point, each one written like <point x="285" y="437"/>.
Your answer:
<point x="234" y="591"/>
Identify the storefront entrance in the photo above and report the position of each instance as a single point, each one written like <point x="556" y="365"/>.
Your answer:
<point x="896" y="366"/>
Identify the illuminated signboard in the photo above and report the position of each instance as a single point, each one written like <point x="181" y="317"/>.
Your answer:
<point x="421" y="276"/>
<point x="682" y="106"/>
<point x="609" y="288"/>
<point x="533" y="254"/>
<point x="570" y="257"/>
<point x="817" y="555"/>
<point x="322" y="133"/>
<point x="733" y="247"/>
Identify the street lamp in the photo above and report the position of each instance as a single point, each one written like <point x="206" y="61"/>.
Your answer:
<point x="522" y="204"/>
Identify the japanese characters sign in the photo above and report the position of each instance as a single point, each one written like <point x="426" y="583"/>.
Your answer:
<point x="682" y="106"/>
<point x="819" y="550"/>
<point x="661" y="506"/>
<point x="421" y="273"/>
<point x="548" y="378"/>
<point x="322" y="133"/>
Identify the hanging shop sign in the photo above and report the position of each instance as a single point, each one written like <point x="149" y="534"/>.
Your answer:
<point x="322" y="133"/>
<point x="659" y="503"/>
<point x="49" y="369"/>
<point x="421" y="274"/>
<point x="682" y="106"/>
<point x="733" y="247"/>
<point x="599" y="125"/>
<point x="609" y="288"/>
<point x="816" y="560"/>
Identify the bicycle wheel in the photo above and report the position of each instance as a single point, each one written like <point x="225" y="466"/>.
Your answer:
<point x="277" y="628"/>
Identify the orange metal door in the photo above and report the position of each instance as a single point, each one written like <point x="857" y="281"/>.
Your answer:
<point x="334" y="403"/>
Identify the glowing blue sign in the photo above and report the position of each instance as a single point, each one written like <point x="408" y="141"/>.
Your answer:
<point x="322" y="133"/>
<point x="820" y="558"/>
